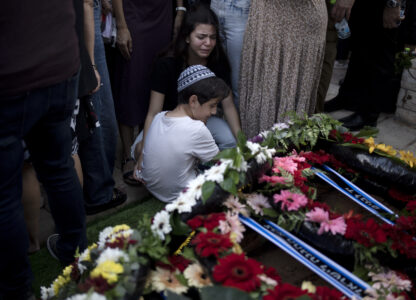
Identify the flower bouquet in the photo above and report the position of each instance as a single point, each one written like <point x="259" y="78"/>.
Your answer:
<point x="192" y="247"/>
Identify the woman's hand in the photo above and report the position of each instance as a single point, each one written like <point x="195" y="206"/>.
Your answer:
<point x="137" y="172"/>
<point x="177" y="24"/>
<point x="98" y="77"/>
<point x="124" y="42"/>
<point x="342" y="9"/>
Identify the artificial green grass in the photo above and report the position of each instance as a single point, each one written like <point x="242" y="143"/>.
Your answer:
<point x="46" y="269"/>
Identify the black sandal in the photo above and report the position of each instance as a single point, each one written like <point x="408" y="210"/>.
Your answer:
<point x="128" y="175"/>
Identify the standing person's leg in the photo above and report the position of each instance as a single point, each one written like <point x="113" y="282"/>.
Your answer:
<point x="31" y="200"/>
<point x="233" y="21"/>
<point x="97" y="152"/>
<point x="15" y="273"/>
<point x="328" y="65"/>
<point x="49" y="142"/>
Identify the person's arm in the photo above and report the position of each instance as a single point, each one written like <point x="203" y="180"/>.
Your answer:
<point x="179" y="17"/>
<point x="89" y="36"/>
<point x="124" y="41"/>
<point x="342" y="9"/>
<point x="231" y="114"/>
<point x="155" y="106"/>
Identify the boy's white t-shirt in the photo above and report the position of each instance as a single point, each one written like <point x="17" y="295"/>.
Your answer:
<point x="171" y="151"/>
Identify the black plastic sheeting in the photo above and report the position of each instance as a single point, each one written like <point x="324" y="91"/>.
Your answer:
<point x="335" y="247"/>
<point x="383" y="169"/>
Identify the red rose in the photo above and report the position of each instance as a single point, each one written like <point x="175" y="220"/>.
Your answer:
<point x="236" y="270"/>
<point x="407" y="223"/>
<point x="179" y="262"/>
<point x="272" y="273"/>
<point x="284" y="292"/>
<point x="211" y="244"/>
<point x="411" y="206"/>
<point x="326" y="293"/>
<point x="367" y="234"/>
<point x="208" y="221"/>
<point x="99" y="285"/>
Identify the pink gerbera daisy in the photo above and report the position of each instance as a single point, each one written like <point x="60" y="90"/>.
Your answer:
<point x="321" y="216"/>
<point x="272" y="179"/>
<point x="285" y="163"/>
<point x="290" y="201"/>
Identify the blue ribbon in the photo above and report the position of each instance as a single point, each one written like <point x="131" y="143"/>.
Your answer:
<point x="343" y="280"/>
<point x="357" y="195"/>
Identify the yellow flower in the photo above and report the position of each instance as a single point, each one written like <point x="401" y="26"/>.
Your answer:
<point x="67" y="271"/>
<point x="308" y="286"/>
<point x="59" y="283"/>
<point x="370" y="143"/>
<point x="386" y="149"/>
<point x="122" y="227"/>
<point x="408" y="158"/>
<point x="93" y="246"/>
<point x="109" y="270"/>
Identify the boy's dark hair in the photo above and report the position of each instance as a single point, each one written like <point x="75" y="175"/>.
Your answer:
<point x="205" y="89"/>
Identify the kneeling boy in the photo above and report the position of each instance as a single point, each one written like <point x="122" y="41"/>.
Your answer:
<point x="178" y="139"/>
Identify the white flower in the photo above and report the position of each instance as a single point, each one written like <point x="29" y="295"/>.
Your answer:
<point x="254" y="147"/>
<point x="46" y="293"/>
<point x="183" y="204"/>
<point x="195" y="187"/>
<point x="216" y="173"/>
<point x="264" y="134"/>
<point x="257" y="202"/>
<point x="235" y="206"/>
<point x="232" y="225"/>
<point x="267" y="280"/>
<point x="113" y="255"/>
<point x="161" y="224"/>
<point x="229" y="162"/>
<point x="163" y="279"/>
<point x="261" y="158"/>
<point x="389" y="280"/>
<point x="196" y="276"/>
<point x="93" y="296"/>
<point x="280" y="126"/>
<point x="104" y="234"/>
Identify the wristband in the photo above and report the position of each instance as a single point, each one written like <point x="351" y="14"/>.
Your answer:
<point x="182" y="8"/>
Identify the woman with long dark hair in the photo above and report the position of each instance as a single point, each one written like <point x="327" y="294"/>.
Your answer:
<point x="197" y="43"/>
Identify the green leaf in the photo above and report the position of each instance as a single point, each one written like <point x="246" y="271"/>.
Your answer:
<point x="241" y="140"/>
<point x="367" y="131"/>
<point x="234" y="175"/>
<point x="227" y="153"/>
<point x="225" y="293"/>
<point x="188" y="253"/>
<point x="303" y="297"/>
<point x="179" y="227"/>
<point x="181" y="278"/>
<point x="207" y="190"/>
<point x="270" y="212"/>
<point x="229" y="186"/>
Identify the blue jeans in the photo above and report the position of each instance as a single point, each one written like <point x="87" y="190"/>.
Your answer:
<point x="232" y="15"/>
<point x="40" y="117"/>
<point x="98" y="152"/>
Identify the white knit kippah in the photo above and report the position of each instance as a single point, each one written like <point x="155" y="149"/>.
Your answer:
<point x="193" y="74"/>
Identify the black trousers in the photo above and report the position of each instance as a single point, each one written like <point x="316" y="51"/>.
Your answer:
<point x="370" y="79"/>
